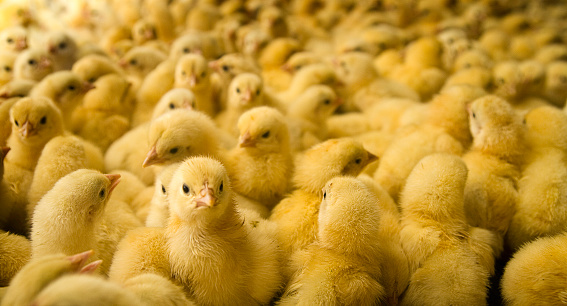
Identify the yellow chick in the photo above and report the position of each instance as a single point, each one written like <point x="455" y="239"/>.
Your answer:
<point x="315" y="74"/>
<point x="14" y="39"/>
<point x="33" y="64"/>
<point x="506" y="80"/>
<point x="143" y="31"/>
<point x="40" y="272"/>
<point x="541" y="206"/>
<point x="343" y="265"/>
<point x="192" y="72"/>
<point x="5" y="122"/>
<point x="6" y="202"/>
<point x="66" y="89"/>
<point x="91" y="67"/>
<point x="139" y="61"/>
<point x="130" y="188"/>
<point x="159" y="207"/>
<point x="550" y="53"/>
<point x="7" y="60"/>
<point x="555" y="82"/>
<point x="63" y="50"/>
<point x="160" y="15"/>
<point x="450" y="261"/>
<point x="300" y="60"/>
<point x="176" y="98"/>
<point x="261" y="166"/>
<point x="15" y="13"/>
<point x="15" y="252"/>
<point x="68" y="216"/>
<point x="154" y="86"/>
<point x="296" y="214"/>
<point x="536" y="274"/>
<point x="493" y="162"/>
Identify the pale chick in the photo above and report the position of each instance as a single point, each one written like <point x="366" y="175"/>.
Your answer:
<point x="506" y="80"/>
<point x="555" y="82"/>
<point x="91" y="67"/>
<point x="154" y="86"/>
<point x="33" y="64"/>
<point x="451" y="262"/>
<point x="140" y="61"/>
<point x="245" y="92"/>
<point x="536" y="273"/>
<point x="343" y="265"/>
<point x="40" y="272"/>
<point x="193" y="73"/>
<point x="14" y="39"/>
<point x="300" y="60"/>
<point x="63" y="50"/>
<point x="7" y="60"/>
<point x="261" y="165"/>
<point x="311" y="75"/>
<point x="68" y="217"/>
<point x="15" y="252"/>
<point x="307" y="116"/>
<point x="273" y="56"/>
<point x="355" y="71"/>
<point x="66" y="89"/>
<point x="494" y="162"/>
<point x="176" y="98"/>
<point x="541" y="209"/>
<point x="159" y="207"/>
<point x="146" y="289"/>
<point x="296" y="214"/>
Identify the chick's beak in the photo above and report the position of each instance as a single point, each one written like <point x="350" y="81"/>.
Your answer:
<point x="79" y="260"/>
<point x="206" y="198"/>
<point x="247" y="95"/>
<point x="152" y="158"/>
<point x="286" y="68"/>
<point x="44" y="62"/>
<point x="88" y="86"/>
<point x="27" y="129"/>
<point x="21" y="44"/>
<point x="214" y="65"/>
<point x="338" y="101"/>
<point x="246" y="140"/>
<point x="114" y="180"/>
<point x="192" y="80"/>
<point x="187" y="104"/>
<point x="371" y="158"/>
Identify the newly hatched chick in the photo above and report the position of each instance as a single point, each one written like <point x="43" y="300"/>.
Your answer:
<point x="555" y="83"/>
<point x="451" y="261"/>
<point x="91" y="67"/>
<point x="493" y="162"/>
<point x="68" y="216"/>
<point x="541" y="209"/>
<point x="261" y="166"/>
<point x="176" y="98"/>
<point x="311" y="75"/>
<point x="7" y="60"/>
<point x="139" y="61"/>
<point x="14" y="39"/>
<point x="40" y="272"/>
<point x="33" y="64"/>
<point x="63" y="50"/>
<point x="206" y="230"/>
<point x="192" y="72"/>
<point x="296" y="215"/>
<point x="159" y="207"/>
<point x="66" y="89"/>
<point x="343" y="265"/>
<point x="15" y="252"/>
<point x="536" y="273"/>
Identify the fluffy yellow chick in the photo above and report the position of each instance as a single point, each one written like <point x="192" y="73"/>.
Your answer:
<point x="14" y="39"/>
<point x="506" y="80"/>
<point x="154" y="86"/>
<point x="536" y="273"/>
<point x="33" y="64"/>
<point x="139" y="61"/>
<point x="176" y="98"/>
<point x="296" y="215"/>
<point x="541" y="209"/>
<point x="143" y="31"/>
<point x="63" y="50"/>
<point x="493" y="162"/>
<point x="300" y="60"/>
<point x="15" y="13"/>
<point x="311" y="75"/>
<point x="192" y="72"/>
<point x="40" y="272"/>
<point x="7" y="60"/>
<point x="15" y="252"/>
<point x="66" y="89"/>
<point x="451" y="261"/>
<point x="159" y="207"/>
<point x="343" y="265"/>
<point x="263" y="151"/>
<point x="91" y="67"/>
<point x="130" y="188"/>
<point x="68" y="216"/>
<point x="555" y="82"/>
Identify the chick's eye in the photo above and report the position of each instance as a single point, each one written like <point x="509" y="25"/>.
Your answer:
<point x="258" y="92"/>
<point x="32" y="62"/>
<point x="71" y="87"/>
<point x="266" y="135"/>
<point x="173" y="151"/>
<point x="43" y="120"/>
<point x="238" y="90"/>
<point x="92" y="80"/>
<point x="203" y="74"/>
<point x="102" y="193"/>
<point x="16" y="122"/>
<point x="133" y="62"/>
<point x="7" y="68"/>
<point x="225" y="68"/>
<point x="186" y="50"/>
<point x="9" y="40"/>
<point x="185" y="189"/>
<point x="221" y="187"/>
<point x="358" y="161"/>
<point x="162" y="189"/>
<point x="171" y="105"/>
<point x="473" y="115"/>
<point x="327" y="102"/>
<point x="62" y="45"/>
<point x="325" y="195"/>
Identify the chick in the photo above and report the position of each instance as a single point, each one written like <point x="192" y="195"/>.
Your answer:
<point x="493" y="162"/>
<point x="343" y="265"/>
<point x="506" y="80"/>
<point x="15" y="252"/>
<point x="541" y="206"/>
<point x="250" y="273"/>
<point x="7" y="60"/>
<point x="536" y="274"/>
<point x="15" y="14"/>
<point x="263" y="151"/>
<point x="438" y="240"/>
<point x="66" y="89"/>
<point x="311" y="75"/>
<point x="555" y="80"/>
<point x="300" y="60"/>
<point x="63" y="50"/>
<point x="68" y="216"/>
<point x="296" y="214"/>
<point x="192" y="72"/>
<point x="33" y="64"/>
<point x="176" y="98"/>
<point x="159" y="207"/>
<point x="154" y="86"/>
<point x="5" y="123"/>
<point x="91" y="67"/>
<point x="14" y="39"/>
<point x="40" y="272"/>
<point x="139" y="61"/>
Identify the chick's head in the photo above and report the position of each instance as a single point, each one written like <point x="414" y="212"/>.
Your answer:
<point x="191" y="72"/>
<point x="263" y="128"/>
<point x="245" y="91"/>
<point x="61" y="44"/>
<point x="141" y="60"/>
<point x="324" y="161"/>
<point x="200" y="190"/>
<point x="65" y="88"/>
<point x="36" y="120"/>
<point x="177" y="98"/>
<point x="316" y="104"/>
<point x="348" y="216"/>
<point x="91" y="67"/>
<point x="33" y="64"/>
<point x="14" y="39"/>
<point x="7" y="60"/>
<point x="143" y="30"/>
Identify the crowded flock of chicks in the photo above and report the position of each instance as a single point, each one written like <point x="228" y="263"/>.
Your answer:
<point x="313" y="152"/>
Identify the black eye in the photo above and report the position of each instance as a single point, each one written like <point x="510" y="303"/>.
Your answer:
<point x="266" y="135"/>
<point x="71" y="87"/>
<point x="327" y="102"/>
<point x="203" y="74"/>
<point x="62" y="45"/>
<point x="186" y="50"/>
<point x="92" y="80"/>
<point x="16" y="122"/>
<point x="101" y="193"/>
<point x="9" y="40"/>
<point x="7" y="68"/>
<point x="43" y="120"/>
<point x="238" y="90"/>
<point x="258" y="92"/>
<point x="183" y="73"/>
<point x="297" y="67"/>
<point x="171" y="105"/>
<point x="162" y="189"/>
<point x="221" y="187"/>
<point x="173" y="151"/>
<point x="225" y="68"/>
<point x="501" y="81"/>
<point x="473" y="115"/>
<point x="325" y="195"/>
<point x="32" y="62"/>
<point x="358" y="161"/>
<point x="133" y="62"/>
<point x="185" y="189"/>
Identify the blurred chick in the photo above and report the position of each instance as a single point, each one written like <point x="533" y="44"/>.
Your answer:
<point x="541" y="209"/>
<point x="192" y="72"/>
<point x="14" y="39"/>
<point x="91" y="67"/>
<point x="33" y="64"/>
<point x="15" y="252"/>
<point x="498" y="144"/>
<point x="343" y="264"/>
<point x="296" y="214"/>
<point x="438" y="240"/>
<point x="261" y="166"/>
<point x="63" y="50"/>
<point x="555" y="82"/>
<point x="311" y="75"/>
<point x="7" y="60"/>
<point x="140" y="61"/>
<point x="176" y="98"/>
<point x="159" y="207"/>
